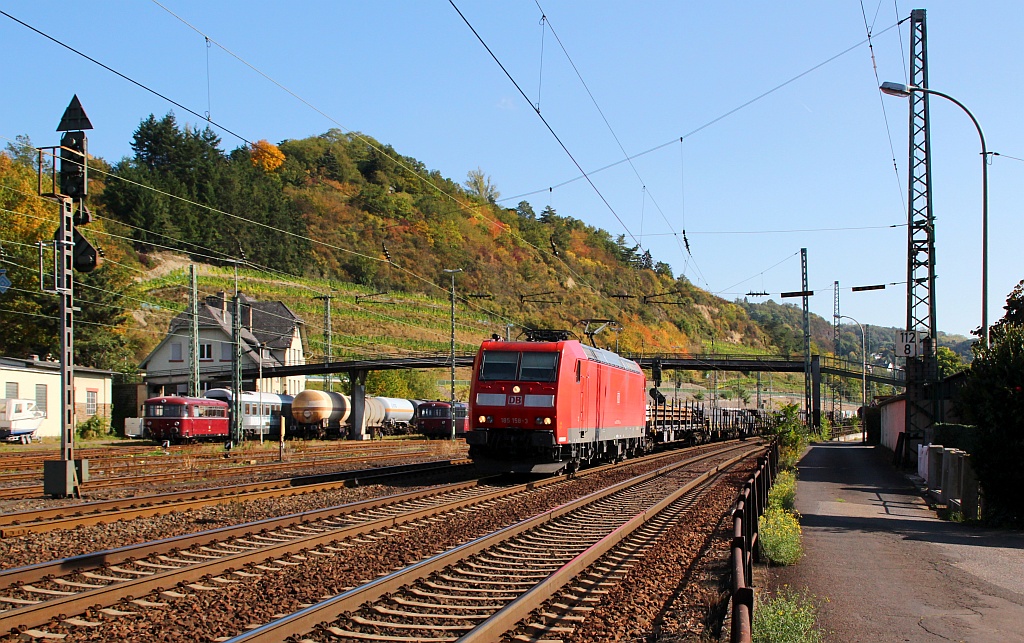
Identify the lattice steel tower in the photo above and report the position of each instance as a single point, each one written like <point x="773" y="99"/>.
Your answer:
<point x="923" y="368"/>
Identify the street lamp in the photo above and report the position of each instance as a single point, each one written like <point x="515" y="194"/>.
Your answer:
<point x="863" y="375"/>
<point x="904" y="91"/>
<point x="452" y="409"/>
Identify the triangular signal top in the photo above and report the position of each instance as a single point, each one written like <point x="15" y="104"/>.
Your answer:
<point x="74" y="118"/>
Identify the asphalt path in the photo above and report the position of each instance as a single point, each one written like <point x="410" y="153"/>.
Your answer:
<point x="885" y="568"/>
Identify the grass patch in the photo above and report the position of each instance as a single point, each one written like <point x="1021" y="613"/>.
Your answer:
<point x="787" y="617"/>
<point x="782" y="495"/>
<point x="779" y="534"/>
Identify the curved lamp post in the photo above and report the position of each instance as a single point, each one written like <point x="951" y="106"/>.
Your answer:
<point x="863" y="376"/>
<point x="904" y="91"/>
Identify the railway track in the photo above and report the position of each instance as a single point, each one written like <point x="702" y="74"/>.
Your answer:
<point x="16" y="467"/>
<point x="479" y="591"/>
<point x="105" y="511"/>
<point x="199" y="565"/>
<point x="230" y="469"/>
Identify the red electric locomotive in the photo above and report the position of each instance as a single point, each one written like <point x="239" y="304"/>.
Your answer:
<point x="553" y="403"/>
<point x="180" y="419"/>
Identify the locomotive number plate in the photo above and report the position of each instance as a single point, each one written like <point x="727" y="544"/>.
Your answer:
<point x="515" y="400"/>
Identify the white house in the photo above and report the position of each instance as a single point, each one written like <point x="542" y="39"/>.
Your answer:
<point x="32" y="379"/>
<point x="268" y="327"/>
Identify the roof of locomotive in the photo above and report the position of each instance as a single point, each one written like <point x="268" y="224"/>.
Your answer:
<point x="573" y="346"/>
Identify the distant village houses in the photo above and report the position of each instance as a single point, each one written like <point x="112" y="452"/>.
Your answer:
<point x="271" y="333"/>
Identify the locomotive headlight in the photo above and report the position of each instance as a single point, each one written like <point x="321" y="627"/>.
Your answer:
<point x="516" y="389"/>
<point x="547" y="420"/>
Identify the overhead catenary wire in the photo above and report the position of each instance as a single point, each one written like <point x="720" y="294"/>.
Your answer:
<point x="546" y="124"/>
<point x="611" y="130"/>
<point x="711" y="122"/>
<point x="125" y="77"/>
<point x="881" y="101"/>
<point x="397" y="160"/>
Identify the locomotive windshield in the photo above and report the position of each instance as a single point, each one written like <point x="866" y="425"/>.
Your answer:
<point x="513" y="365"/>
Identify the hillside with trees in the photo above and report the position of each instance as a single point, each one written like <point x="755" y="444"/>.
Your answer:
<point x="343" y="214"/>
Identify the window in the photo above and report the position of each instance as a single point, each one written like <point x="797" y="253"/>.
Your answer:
<point x="524" y="367"/>
<point x="538" y="367"/>
<point x="91" y="398"/>
<point x="206" y="351"/>
<point x="499" y="365"/>
<point x="11" y="390"/>
<point x="176" y="352"/>
<point x="165" y="410"/>
<point x="41" y="398"/>
<point x="226" y="354"/>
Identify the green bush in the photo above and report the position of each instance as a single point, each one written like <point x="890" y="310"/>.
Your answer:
<point x="787" y="617"/>
<point x="95" y="427"/>
<point x="779" y="535"/>
<point x="782" y="495"/>
<point x="992" y="398"/>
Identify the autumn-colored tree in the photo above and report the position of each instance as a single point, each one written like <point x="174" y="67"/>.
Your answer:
<point x="265" y="155"/>
<point x="479" y="185"/>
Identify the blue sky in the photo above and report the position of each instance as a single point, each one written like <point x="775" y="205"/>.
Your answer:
<point x="750" y="189"/>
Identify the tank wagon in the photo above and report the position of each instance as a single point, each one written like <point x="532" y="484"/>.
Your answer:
<point x="322" y="414"/>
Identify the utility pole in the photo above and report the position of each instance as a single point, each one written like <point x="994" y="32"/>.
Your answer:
<point x="328" y="349"/>
<point x="452" y="409"/>
<point x="193" y="336"/>
<point x="811" y="421"/>
<point x="921" y="369"/>
<point x="62" y="478"/>
<point x="835" y="339"/>
<point x="236" y="366"/>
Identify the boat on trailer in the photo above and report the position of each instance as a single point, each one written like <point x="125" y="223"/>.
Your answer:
<point x="19" y="420"/>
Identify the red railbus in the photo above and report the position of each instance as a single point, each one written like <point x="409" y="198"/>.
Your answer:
<point x="554" y="404"/>
<point x="181" y="419"/>
<point x="434" y="419"/>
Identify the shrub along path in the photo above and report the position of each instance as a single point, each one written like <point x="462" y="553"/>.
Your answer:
<point x="888" y="567"/>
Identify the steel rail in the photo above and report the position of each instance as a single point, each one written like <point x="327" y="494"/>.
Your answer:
<point x="67" y="517"/>
<point x="506" y="618"/>
<point x="301" y="622"/>
<point x="38" y="614"/>
<point x="234" y="469"/>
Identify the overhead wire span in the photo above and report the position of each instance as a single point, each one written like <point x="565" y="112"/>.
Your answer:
<point x="546" y="124"/>
<point x="478" y="208"/>
<point x="881" y="100"/>
<point x="801" y="230"/>
<point x="775" y="265"/>
<point x="713" y="121"/>
<point x="611" y="130"/>
<point x="128" y="78"/>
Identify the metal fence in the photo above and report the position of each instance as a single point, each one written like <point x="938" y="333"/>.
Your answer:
<point x="750" y="504"/>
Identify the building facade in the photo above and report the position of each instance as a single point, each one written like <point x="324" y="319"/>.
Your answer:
<point x="271" y="334"/>
<point x="33" y="379"/>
